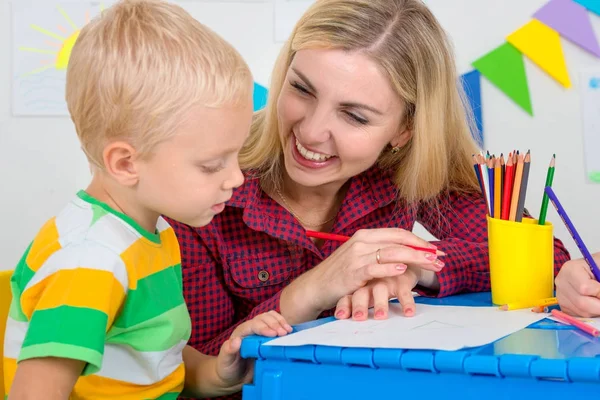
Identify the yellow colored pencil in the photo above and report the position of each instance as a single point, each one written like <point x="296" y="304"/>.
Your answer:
<point x="550" y="301"/>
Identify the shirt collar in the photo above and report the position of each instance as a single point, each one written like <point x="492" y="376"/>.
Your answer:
<point x="368" y="191"/>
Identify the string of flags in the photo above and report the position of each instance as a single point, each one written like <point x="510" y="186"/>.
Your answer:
<point x="538" y="40"/>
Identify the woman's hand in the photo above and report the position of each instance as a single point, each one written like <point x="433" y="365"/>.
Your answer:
<point x="577" y="290"/>
<point x="369" y="254"/>
<point x="377" y="294"/>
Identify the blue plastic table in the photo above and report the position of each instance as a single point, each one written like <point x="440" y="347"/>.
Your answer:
<point x="546" y="360"/>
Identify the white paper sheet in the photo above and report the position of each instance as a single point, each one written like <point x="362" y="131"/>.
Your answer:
<point x="590" y="103"/>
<point x="434" y="328"/>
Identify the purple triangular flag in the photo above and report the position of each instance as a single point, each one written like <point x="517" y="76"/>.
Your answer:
<point x="571" y="21"/>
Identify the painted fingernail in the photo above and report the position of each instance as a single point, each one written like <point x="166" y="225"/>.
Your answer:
<point x="379" y="313"/>
<point x="340" y="313"/>
<point x="401" y="267"/>
<point x="358" y="314"/>
<point x="431" y="256"/>
<point x="439" y="263"/>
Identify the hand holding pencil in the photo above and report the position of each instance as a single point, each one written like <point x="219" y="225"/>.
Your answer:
<point x="367" y="255"/>
<point x="577" y="291"/>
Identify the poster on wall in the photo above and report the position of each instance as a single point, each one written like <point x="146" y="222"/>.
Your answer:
<point x="43" y="36"/>
<point x="44" y="33"/>
<point x="590" y="105"/>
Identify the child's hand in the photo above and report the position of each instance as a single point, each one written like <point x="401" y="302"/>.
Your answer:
<point x="377" y="293"/>
<point x="231" y="368"/>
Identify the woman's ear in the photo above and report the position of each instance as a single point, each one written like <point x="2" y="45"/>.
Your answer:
<point x="119" y="163"/>
<point x="403" y="136"/>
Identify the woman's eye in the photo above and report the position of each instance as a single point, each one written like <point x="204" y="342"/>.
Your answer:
<point x="299" y="88"/>
<point x="356" y="118"/>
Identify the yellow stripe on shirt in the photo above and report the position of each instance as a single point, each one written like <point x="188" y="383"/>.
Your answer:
<point x="45" y="244"/>
<point x="143" y="258"/>
<point x="107" y="388"/>
<point x="79" y="287"/>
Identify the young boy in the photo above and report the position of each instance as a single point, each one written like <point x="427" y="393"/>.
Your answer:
<point x="161" y="105"/>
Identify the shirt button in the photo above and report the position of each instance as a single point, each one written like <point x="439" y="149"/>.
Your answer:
<point x="263" y="276"/>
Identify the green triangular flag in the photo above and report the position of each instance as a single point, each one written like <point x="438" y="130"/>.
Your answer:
<point x="504" y="67"/>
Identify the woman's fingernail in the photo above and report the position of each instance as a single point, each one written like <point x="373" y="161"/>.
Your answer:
<point x="439" y="263"/>
<point x="358" y="314"/>
<point x="340" y="313"/>
<point x="401" y="267"/>
<point x="379" y="313"/>
<point x="408" y="312"/>
<point x="431" y="256"/>
<point x="432" y="246"/>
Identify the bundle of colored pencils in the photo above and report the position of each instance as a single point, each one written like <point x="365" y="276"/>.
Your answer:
<point x="503" y="184"/>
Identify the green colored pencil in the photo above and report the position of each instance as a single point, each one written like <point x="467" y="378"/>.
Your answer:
<point x="545" y="199"/>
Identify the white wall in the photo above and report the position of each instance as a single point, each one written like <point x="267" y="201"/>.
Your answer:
<point x="41" y="166"/>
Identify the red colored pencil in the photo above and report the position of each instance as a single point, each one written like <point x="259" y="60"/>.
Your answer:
<point x="508" y="184"/>
<point x="342" y="238"/>
<point x="575" y="322"/>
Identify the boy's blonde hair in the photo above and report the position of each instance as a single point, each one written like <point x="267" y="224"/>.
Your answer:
<point x="137" y="69"/>
<point x="412" y="50"/>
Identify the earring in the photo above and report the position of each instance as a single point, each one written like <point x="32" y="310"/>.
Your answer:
<point x="395" y="149"/>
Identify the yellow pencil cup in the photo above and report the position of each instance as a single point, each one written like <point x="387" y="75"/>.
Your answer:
<point x="521" y="260"/>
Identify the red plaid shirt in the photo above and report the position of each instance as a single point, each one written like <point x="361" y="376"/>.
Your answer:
<point x="236" y="267"/>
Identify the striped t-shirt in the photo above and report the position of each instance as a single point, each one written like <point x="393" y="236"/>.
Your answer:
<point x="95" y="286"/>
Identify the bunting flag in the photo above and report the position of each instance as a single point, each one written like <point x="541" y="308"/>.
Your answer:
<point x="538" y="40"/>
<point x="259" y="96"/>
<point x="541" y="44"/>
<point x="504" y="67"/>
<point x="471" y="82"/>
<point x="571" y="21"/>
<point x="592" y="5"/>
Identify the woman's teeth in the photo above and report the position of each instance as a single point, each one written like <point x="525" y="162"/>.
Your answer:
<point x="311" y="155"/>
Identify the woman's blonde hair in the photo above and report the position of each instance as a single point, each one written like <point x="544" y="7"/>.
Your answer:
<point x="136" y="71"/>
<point x="411" y="48"/>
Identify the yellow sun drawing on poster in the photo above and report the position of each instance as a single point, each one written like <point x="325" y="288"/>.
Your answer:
<point x="60" y="43"/>
<point x="44" y="36"/>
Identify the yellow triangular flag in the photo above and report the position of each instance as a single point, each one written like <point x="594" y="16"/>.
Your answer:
<point x="541" y="44"/>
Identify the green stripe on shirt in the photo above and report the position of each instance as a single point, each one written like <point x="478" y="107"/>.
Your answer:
<point x="156" y="334"/>
<point x="18" y="282"/>
<point x="75" y="326"/>
<point x="91" y="357"/>
<point x="163" y="287"/>
<point x="168" y="396"/>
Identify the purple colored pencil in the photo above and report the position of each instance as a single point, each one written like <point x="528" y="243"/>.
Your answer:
<point x="571" y="228"/>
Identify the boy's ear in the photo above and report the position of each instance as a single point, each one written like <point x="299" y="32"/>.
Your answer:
<point x="119" y="162"/>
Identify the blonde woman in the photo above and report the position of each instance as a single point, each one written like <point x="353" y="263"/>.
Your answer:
<point x="364" y="134"/>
